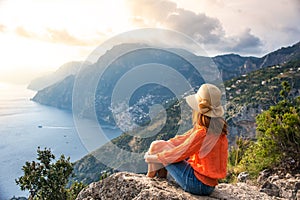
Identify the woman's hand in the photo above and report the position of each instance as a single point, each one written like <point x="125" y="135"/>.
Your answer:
<point x="151" y="158"/>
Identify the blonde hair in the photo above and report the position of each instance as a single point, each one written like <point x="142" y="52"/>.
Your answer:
<point x="216" y="125"/>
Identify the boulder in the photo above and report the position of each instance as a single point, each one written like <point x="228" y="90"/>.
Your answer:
<point x="243" y="176"/>
<point x="289" y="186"/>
<point x="125" y="185"/>
<point x="263" y="175"/>
<point x="270" y="189"/>
<point x="284" y="186"/>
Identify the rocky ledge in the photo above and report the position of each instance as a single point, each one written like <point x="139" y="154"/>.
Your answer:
<point x="125" y="185"/>
<point x="280" y="184"/>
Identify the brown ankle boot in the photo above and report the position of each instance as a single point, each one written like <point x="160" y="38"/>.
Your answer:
<point x="162" y="173"/>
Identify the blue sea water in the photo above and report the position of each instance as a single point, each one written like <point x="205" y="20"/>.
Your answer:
<point x="25" y="125"/>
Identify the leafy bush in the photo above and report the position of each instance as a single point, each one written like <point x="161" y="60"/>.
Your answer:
<point x="278" y="136"/>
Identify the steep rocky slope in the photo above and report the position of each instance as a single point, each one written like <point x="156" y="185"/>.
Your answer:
<point x="250" y="94"/>
<point x="64" y="101"/>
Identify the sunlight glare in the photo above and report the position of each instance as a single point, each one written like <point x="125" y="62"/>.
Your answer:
<point x="29" y="41"/>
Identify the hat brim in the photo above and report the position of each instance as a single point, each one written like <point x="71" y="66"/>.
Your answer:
<point x="193" y="103"/>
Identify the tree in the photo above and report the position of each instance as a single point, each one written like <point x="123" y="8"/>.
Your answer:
<point x="45" y="179"/>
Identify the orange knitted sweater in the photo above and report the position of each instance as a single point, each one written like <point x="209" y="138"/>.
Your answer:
<point x="208" y="167"/>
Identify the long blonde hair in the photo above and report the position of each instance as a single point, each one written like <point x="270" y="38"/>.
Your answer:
<point x="216" y="125"/>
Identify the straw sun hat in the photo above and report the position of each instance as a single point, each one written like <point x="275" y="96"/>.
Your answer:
<point x="207" y="101"/>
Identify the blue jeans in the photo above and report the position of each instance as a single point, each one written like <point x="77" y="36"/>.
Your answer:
<point x="184" y="175"/>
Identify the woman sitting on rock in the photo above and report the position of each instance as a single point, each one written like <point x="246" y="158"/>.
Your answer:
<point x="198" y="158"/>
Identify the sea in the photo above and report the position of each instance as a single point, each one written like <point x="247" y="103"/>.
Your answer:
<point x="26" y="125"/>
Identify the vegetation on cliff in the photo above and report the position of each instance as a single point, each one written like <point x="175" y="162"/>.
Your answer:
<point x="261" y="88"/>
<point x="46" y="179"/>
<point x="277" y="143"/>
<point x="278" y="137"/>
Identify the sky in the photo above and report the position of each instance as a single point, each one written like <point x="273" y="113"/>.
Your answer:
<point x="38" y="36"/>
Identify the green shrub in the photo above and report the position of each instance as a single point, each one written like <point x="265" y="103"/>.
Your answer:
<point x="278" y="135"/>
<point x="74" y="190"/>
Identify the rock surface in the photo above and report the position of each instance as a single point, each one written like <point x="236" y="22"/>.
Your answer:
<point x="286" y="186"/>
<point x="125" y="185"/>
<point x="242" y="177"/>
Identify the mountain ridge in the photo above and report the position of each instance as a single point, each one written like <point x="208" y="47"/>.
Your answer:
<point x="229" y="65"/>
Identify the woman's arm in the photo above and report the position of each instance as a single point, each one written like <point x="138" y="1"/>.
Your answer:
<point x="151" y="158"/>
<point x="189" y="146"/>
<point x="160" y="146"/>
<point x="179" y="139"/>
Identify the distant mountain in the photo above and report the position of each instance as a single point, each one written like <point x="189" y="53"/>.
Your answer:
<point x="230" y="66"/>
<point x="154" y="93"/>
<point x="282" y="55"/>
<point x="98" y="100"/>
<point x="65" y="70"/>
<point x="233" y="65"/>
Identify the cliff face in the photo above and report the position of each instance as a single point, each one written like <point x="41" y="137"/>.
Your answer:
<point x="249" y="95"/>
<point x="63" y="94"/>
<point x="233" y="65"/>
<point x="124" y="185"/>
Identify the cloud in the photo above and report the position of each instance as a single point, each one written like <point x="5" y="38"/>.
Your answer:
<point x="276" y="23"/>
<point x="291" y="30"/>
<point x="57" y="36"/>
<point x="296" y="4"/>
<point x="62" y="36"/>
<point x="24" y="33"/>
<point x="157" y="10"/>
<point x="202" y="28"/>
<point x="245" y="42"/>
<point x="2" y="28"/>
<point x="137" y="21"/>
